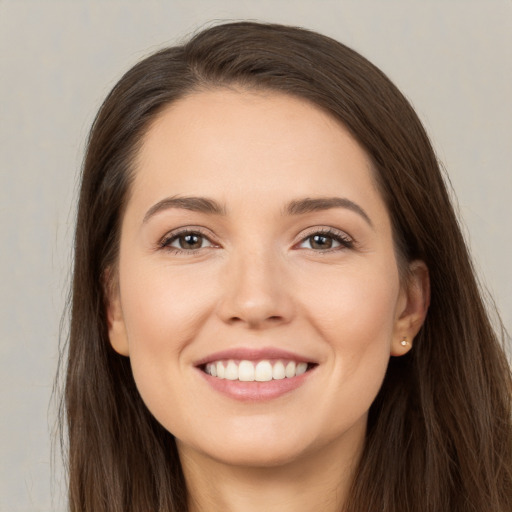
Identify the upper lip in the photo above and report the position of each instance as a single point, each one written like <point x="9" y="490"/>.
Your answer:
<point x="253" y="354"/>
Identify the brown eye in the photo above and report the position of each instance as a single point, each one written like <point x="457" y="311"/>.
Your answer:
<point x="188" y="241"/>
<point x="321" y="242"/>
<point x="324" y="241"/>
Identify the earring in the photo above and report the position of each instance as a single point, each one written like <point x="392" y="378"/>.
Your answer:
<point x="404" y="342"/>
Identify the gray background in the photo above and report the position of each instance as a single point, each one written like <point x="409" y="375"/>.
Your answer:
<point x="453" y="59"/>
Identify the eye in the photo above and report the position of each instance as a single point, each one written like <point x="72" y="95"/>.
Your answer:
<point x="326" y="240"/>
<point x="186" y="241"/>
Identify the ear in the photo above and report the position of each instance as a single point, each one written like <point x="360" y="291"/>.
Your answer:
<point x="115" y="320"/>
<point x="412" y="308"/>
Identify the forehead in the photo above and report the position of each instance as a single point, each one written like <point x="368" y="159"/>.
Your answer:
<point x="249" y="144"/>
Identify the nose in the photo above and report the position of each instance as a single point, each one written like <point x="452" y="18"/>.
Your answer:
<point x="256" y="292"/>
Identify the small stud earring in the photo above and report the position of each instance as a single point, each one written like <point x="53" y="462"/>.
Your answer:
<point x="404" y="342"/>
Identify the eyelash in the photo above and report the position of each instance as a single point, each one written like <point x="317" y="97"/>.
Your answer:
<point x="342" y="238"/>
<point x="168" y="239"/>
<point x="338" y="236"/>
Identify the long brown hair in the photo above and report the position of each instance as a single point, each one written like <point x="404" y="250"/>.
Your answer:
<point x="439" y="433"/>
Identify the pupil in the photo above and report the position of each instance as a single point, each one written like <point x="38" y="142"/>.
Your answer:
<point x="321" y="242"/>
<point x="190" y="242"/>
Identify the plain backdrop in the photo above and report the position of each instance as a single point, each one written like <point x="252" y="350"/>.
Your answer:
<point x="58" y="60"/>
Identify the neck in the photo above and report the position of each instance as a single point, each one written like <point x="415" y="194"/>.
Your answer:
<point x="312" y="482"/>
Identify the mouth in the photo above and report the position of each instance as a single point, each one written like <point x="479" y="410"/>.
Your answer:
<point x="252" y="375"/>
<point x="264" y="370"/>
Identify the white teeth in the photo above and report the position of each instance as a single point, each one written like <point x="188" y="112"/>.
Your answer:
<point x="290" y="370"/>
<point x="211" y="369"/>
<point x="263" y="371"/>
<point x="301" y="368"/>
<point x="231" y="372"/>
<point x="278" y="372"/>
<point x="248" y="371"/>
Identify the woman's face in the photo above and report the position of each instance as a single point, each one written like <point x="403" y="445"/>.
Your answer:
<point x="256" y="244"/>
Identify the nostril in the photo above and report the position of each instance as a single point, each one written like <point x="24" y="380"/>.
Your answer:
<point x="256" y="321"/>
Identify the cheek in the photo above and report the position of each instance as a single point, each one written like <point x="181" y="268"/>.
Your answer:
<point x="162" y="306"/>
<point x="355" y="319"/>
<point x="355" y="314"/>
<point x="163" y="310"/>
<point x="358" y="303"/>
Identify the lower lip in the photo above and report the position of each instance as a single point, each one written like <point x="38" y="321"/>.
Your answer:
<point x="255" y="391"/>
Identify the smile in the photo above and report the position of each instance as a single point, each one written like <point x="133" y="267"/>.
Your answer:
<point x="255" y="371"/>
<point x="256" y="374"/>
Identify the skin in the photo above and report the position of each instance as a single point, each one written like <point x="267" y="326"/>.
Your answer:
<point x="257" y="281"/>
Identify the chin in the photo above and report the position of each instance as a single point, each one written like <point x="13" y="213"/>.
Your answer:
<point x="261" y="455"/>
<point x="251" y="446"/>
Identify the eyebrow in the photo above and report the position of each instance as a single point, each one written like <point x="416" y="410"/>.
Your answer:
<point x="308" y="205"/>
<point x="296" y="207"/>
<point x="195" y="204"/>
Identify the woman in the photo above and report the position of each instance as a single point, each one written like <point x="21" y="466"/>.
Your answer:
<point x="273" y="306"/>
